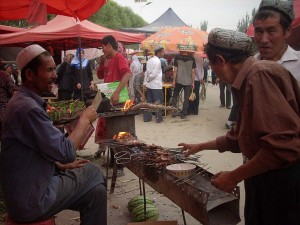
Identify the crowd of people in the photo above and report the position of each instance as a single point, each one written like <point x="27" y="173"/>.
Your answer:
<point x="40" y="175"/>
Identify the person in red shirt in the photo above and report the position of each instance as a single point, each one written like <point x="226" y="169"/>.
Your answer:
<point x="113" y="68"/>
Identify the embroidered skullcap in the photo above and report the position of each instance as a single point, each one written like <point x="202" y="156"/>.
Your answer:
<point x="229" y="39"/>
<point x="158" y="48"/>
<point x="28" y="54"/>
<point x="284" y="7"/>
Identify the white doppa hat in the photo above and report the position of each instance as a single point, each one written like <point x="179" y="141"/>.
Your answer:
<point x="28" y="54"/>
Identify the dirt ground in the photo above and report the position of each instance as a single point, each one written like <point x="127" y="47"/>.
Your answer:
<point x="197" y="128"/>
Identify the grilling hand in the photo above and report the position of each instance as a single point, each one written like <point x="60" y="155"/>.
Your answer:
<point x="76" y="164"/>
<point x="90" y="114"/>
<point x="224" y="181"/>
<point x="189" y="149"/>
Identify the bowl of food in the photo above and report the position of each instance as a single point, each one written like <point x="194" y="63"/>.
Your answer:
<point x="181" y="170"/>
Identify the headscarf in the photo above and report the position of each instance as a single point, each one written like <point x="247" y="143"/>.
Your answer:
<point x="76" y="63"/>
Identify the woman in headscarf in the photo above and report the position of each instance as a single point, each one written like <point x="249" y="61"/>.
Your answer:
<point x="136" y="68"/>
<point x="86" y="83"/>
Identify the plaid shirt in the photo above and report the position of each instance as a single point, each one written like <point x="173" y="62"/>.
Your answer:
<point x="7" y="87"/>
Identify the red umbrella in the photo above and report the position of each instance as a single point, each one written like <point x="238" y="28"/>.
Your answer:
<point x="35" y="11"/>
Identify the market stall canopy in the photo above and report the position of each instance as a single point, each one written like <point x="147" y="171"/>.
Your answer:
<point x="177" y="39"/>
<point x="166" y="20"/>
<point x="62" y="33"/>
<point x="35" y="11"/>
<point x="294" y="39"/>
<point x="7" y="29"/>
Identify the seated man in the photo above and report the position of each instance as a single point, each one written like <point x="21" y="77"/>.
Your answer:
<point x="39" y="173"/>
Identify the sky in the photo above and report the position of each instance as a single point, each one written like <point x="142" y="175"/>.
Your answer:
<point x="219" y="13"/>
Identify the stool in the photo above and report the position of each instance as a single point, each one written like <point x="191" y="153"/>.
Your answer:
<point x="49" y="221"/>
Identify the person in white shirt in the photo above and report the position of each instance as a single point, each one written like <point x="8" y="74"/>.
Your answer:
<point x="153" y="81"/>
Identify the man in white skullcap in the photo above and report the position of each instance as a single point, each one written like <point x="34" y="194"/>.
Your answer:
<point x="272" y="28"/>
<point x="39" y="173"/>
<point x="266" y="133"/>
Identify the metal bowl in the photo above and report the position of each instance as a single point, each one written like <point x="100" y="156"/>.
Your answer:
<point x="181" y="170"/>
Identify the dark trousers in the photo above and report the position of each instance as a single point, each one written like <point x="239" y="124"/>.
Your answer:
<point x="187" y="92"/>
<point x="194" y="105"/>
<point x="225" y="101"/>
<point x="234" y="110"/>
<point x="82" y="189"/>
<point x="273" y="198"/>
<point x="64" y="94"/>
<point x="77" y="94"/>
<point x="156" y="96"/>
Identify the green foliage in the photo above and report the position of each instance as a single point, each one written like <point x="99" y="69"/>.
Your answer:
<point x="21" y="23"/>
<point x="203" y="25"/>
<point x="114" y="16"/>
<point x="244" y="23"/>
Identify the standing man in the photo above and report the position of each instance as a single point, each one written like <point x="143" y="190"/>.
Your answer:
<point x="267" y="130"/>
<point x="184" y="76"/>
<point x="153" y="81"/>
<point x="199" y="75"/>
<point x="225" y="96"/>
<point x="272" y="27"/>
<point x="39" y="173"/>
<point x="114" y="68"/>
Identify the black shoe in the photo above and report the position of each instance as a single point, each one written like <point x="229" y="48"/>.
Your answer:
<point x="221" y="106"/>
<point x="182" y="116"/>
<point x="228" y="107"/>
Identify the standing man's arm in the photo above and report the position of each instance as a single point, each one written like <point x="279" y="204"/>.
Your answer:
<point x="193" y="78"/>
<point x="174" y="76"/>
<point x="124" y="81"/>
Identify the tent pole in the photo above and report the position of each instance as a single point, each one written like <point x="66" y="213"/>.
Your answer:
<point x="80" y="63"/>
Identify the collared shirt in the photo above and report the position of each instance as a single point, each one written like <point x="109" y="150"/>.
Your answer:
<point x="290" y="60"/>
<point x="268" y="125"/>
<point x="30" y="146"/>
<point x="153" y="74"/>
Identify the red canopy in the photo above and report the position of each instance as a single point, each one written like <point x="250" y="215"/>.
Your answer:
<point x="64" y="32"/>
<point x="36" y="10"/>
<point x="294" y="39"/>
<point x="8" y="29"/>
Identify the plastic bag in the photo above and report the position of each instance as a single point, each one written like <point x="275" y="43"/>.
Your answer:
<point x="192" y="96"/>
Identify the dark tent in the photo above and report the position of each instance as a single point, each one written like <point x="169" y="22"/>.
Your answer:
<point x="167" y="20"/>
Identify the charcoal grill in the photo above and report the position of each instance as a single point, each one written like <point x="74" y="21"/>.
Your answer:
<point x="197" y="195"/>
